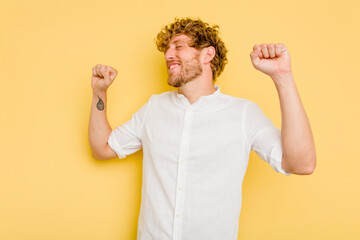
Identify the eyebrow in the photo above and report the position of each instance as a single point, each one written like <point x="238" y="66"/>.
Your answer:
<point x="179" y="40"/>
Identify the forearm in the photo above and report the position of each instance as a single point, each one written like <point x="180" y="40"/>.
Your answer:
<point x="296" y="136"/>
<point x="99" y="128"/>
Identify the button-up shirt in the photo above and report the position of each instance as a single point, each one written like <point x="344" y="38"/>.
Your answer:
<point x="194" y="160"/>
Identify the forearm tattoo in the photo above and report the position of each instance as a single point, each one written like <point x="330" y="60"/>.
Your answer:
<point x="100" y="104"/>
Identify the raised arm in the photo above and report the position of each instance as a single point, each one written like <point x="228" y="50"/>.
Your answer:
<point x="99" y="128"/>
<point x="299" y="156"/>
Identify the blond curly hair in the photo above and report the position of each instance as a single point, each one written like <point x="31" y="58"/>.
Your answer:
<point x="202" y="35"/>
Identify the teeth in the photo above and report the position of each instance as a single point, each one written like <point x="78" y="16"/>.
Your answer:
<point x="172" y="66"/>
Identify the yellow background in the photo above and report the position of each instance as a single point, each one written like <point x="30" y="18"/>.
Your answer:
<point x="51" y="187"/>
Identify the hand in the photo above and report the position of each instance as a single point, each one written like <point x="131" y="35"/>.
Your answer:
<point x="271" y="59"/>
<point x="102" y="77"/>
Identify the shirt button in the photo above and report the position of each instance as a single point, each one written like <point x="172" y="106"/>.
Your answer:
<point x="180" y="188"/>
<point x="188" y="110"/>
<point x="182" y="161"/>
<point x="177" y="215"/>
<point x="185" y="135"/>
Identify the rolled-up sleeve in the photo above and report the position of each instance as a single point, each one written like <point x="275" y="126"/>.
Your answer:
<point x="264" y="137"/>
<point x="127" y="138"/>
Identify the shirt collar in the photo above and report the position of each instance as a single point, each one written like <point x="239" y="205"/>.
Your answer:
<point x="202" y="97"/>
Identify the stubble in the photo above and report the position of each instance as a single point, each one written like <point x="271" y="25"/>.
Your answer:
<point x="189" y="71"/>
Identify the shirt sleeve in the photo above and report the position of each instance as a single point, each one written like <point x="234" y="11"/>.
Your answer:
<point x="263" y="136"/>
<point x="127" y="138"/>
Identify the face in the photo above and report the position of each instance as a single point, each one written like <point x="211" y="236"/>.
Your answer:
<point x="182" y="61"/>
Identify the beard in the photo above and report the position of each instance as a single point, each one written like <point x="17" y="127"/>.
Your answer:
<point x="189" y="70"/>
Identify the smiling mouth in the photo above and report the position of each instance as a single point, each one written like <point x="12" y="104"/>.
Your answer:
<point x="173" y="65"/>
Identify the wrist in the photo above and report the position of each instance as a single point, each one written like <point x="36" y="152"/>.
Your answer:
<point x="99" y="93"/>
<point x="282" y="78"/>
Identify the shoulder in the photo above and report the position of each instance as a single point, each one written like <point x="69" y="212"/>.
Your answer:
<point x="228" y="99"/>
<point x="162" y="98"/>
<point x="162" y="95"/>
<point x="165" y="94"/>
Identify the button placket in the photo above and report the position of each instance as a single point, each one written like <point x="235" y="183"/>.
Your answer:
<point x="180" y="190"/>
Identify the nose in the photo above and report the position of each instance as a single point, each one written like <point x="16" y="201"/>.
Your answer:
<point x="169" y="54"/>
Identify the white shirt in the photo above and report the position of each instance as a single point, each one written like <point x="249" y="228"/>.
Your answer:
<point x="194" y="161"/>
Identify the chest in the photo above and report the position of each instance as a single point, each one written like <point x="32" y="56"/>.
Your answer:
<point x="208" y="129"/>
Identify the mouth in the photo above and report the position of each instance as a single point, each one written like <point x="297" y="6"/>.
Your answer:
<point x="173" y="65"/>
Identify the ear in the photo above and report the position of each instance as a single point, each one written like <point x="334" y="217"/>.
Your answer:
<point x="209" y="54"/>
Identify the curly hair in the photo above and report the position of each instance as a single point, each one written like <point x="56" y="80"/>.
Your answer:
<point x="202" y="35"/>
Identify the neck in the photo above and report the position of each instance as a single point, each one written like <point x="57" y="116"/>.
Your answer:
<point x="193" y="90"/>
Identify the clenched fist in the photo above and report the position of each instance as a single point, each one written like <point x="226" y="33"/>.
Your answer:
<point x="102" y="77"/>
<point x="271" y="59"/>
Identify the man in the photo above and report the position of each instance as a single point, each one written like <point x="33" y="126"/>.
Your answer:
<point x="196" y="141"/>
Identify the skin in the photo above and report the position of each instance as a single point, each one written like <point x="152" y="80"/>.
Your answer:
<point x="179" y="51"/>
<point x="99" y="128"/>
<point x="182" y="70"/>
<point x="299" y="155"/>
